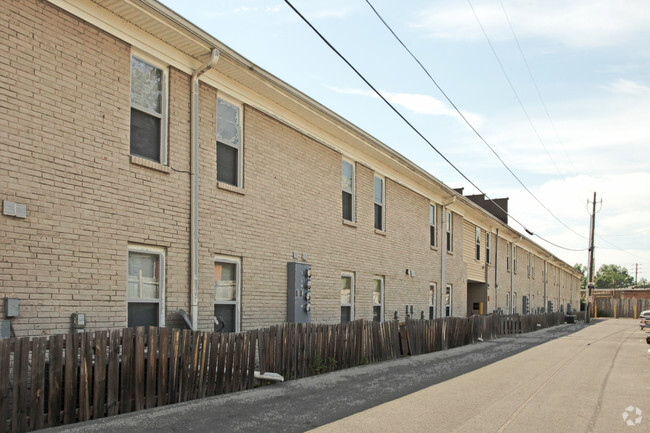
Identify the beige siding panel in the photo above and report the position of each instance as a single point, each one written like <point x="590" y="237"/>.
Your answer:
<point x="475" y="268"/>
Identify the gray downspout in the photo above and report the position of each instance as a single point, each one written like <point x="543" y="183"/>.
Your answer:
<point x="496" y="268"/>
<point x="443" y="254"/>
<point x="194" y="186"/>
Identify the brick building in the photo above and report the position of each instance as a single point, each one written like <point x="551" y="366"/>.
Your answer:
<point x="146" y="168"/>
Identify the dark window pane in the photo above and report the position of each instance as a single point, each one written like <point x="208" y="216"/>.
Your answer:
<point x="227" y="165"/>
<point x="376" y="313"/>
<point x="379" y="217"/>
<point x="448" y="241"/>
<point x="145" y="135"/>
<point x="142" y="314"/>
<point x="432" y="313"/>
<point x="345" y="314"/>
<point x="225" y="313"/>
<point x="432" y="236"/>
<point x="347" y="206"/>
<point x="478" y="252"/>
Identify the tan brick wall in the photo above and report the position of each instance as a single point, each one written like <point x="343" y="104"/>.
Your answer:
<point x="64" y="106"/>
<point x="64" y="153"/>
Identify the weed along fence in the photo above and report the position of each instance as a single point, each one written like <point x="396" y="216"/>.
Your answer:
<point x="62" y="379"/>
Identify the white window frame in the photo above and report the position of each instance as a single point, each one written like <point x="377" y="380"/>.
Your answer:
<point x="383" y="200"/>
<point x="381" y="297"/>
<point x="514" y="259"/>
<point x="528" y="263"/>
<point x="450" y="232"/>
<point x="351" y="304"/>
<point x="164" y="108"/>
<point x="240" y="150"/>
<point x="433" y="229"/>
<point x="353" y="212"/>
<point x="161" y="253"/>
<point x="237" y="302"/>
<point x="508" y="255"/>
<point x="433" y="287"/>
<point x="488" y="247"/>
<point x="477" y="238"/>
<point x="449" y="288"/>
<point x="514" y="303"/>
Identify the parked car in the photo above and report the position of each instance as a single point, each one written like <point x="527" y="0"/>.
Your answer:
<point x="645" y="319"/>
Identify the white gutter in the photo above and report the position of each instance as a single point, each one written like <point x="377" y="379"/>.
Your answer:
<point x="194" y="186"/>
<point x="443" y="254"/>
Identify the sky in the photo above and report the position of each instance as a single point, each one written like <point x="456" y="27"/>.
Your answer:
<point x="560" y="90"/>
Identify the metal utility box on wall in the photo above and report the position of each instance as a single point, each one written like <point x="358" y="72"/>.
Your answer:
<point x="298" y="292"/>
<point x="11" y="307"/>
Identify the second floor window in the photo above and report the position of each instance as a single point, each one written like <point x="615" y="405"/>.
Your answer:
<point x="432" y="225"/>
<point x="450" y="237"/>
<point x="478" y="243"/>
<point x="229" y="148"/>
<point x="488" y="247"/>
<point x="379" y="203"/>
<point x="148" y="111"/>
<point x="347" y="174"/>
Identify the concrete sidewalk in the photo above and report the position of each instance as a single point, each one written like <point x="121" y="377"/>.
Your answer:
<point x="583" y="382"/>
<point x="300" y="405"/>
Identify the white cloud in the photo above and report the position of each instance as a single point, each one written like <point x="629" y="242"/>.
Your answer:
<point x="416" y="103"/>
<point x="627" y="87"/>
<point x="578" y="23"/>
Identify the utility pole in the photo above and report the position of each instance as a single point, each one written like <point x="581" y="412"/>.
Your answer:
<point x="590" y="278"/>
<point x="636" y="275"/>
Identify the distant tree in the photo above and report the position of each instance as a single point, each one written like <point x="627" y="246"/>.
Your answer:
<point x="643" y="283"/>
<point x="609" y="276"/>
<point x="583" y="270"/>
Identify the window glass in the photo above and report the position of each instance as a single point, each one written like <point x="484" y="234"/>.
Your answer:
<point x="146" y="110"/>
<point x="449" y="232"/>
<point x="347" y="172"/>
<point x="432" y="225"/>
<point x="379" y="190"/>
<point x="146" y="86"/>
<point x="227" y="165"/>
<point x="145" y="287"/>
<point x="478" y="243"/>
<point x="228" y="123"/>
<point x="376" y="291"/>
<point x="377" y="299"/>
<point x="347" y="298"/>
<point x="225" y="281"/>
<point x="228" y="143"/>
<point x="346" y="290"/>
<point x="144" y="276"/>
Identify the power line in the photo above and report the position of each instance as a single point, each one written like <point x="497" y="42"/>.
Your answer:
<point x="396" y="111"/>
<point x="514" y="91"/>
<point x="539" y="94"/>
<point x="478" y="134"/>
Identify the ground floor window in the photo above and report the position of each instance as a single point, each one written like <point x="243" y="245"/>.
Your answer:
<point x="514" y="303"/>
<point x="226" y="294"/>
<point x="448" y="301"/>
<point x="432" y="301"/>
<point x="145" y="287"/>
<point x="347" y="297"/>
<point x="378" y="299"/>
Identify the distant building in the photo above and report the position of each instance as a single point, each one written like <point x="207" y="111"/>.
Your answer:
<point x="146" y="168"/>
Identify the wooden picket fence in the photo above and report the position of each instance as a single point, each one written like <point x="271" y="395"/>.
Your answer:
<point x="63" y="379"/>
<point x="608" y="307"/>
